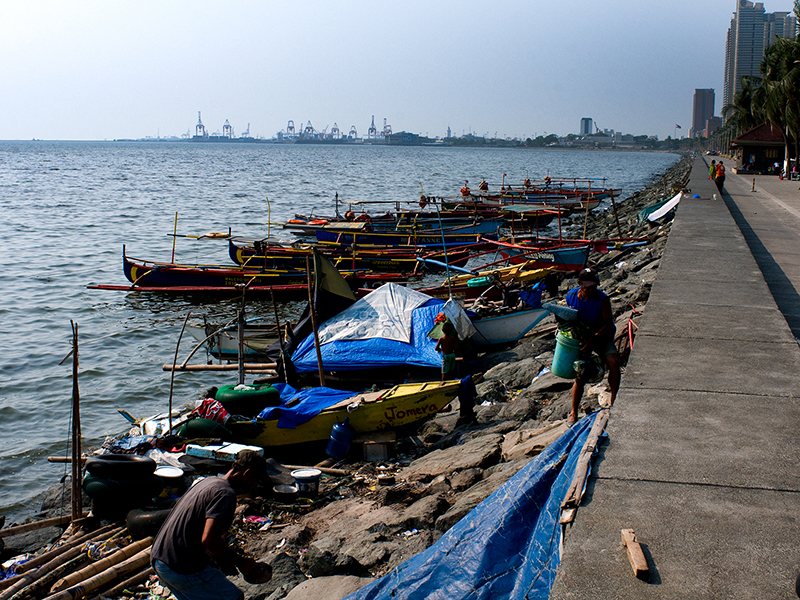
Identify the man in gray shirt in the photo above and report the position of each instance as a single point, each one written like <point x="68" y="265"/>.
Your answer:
<point x="194" y="535"/>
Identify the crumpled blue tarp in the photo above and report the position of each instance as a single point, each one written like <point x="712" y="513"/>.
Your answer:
<point x="311" y="402"/>
<point x="506" y="547"/>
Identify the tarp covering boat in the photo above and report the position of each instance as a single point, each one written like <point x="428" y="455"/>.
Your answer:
<point x="506" y="547"/>
<point x="385" y="328"/>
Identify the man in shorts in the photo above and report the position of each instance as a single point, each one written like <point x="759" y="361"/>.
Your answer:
<point x="594" y="313"/>
<point x="190" y="553"/>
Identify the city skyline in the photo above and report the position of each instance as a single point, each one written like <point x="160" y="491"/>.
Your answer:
<point x="97" y="70"/>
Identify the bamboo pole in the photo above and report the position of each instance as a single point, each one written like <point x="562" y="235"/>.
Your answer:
<point x="231" y="367"/>
<point x="38" y="586"/>
<point x="76" y="497"/>
<point x="174" y="236"/>
<point x="91" y="584"/>
<point x="109" y="531"/>
<point x="240" y="345"/>
<point x="119" y="589"/>
<point x="25" y="528"/>
<point x="101" y="565"/>
<point x="175" y="361"/>
<point x="313" y="312"/>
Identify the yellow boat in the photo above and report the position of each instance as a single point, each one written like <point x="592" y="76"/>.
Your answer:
<point x="403" y="405"/>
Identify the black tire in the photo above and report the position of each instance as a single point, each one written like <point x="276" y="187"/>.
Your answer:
<point x="203" y="428"/>
<point x="143" y="522"/>
<point x="120" y="466"/>
<point x="248" y="403"/>
<point x="125" y="492"/>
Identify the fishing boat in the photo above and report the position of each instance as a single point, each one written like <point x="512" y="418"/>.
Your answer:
<point x="160" y="274"/>
<point x="299" y="420"/>
<point x="564" y="257"/>
<point x="468" y="286"/>
<point x="429" y="238"/>
<point x="223" y="342"/>
<point x="505" y="328"/>
<point x="256" y="254"/>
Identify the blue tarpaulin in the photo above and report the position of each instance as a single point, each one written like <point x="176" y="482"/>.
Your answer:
<point x="308" y="404"/>
<point x="386" y="328"/>
<point x="506" y="547"/>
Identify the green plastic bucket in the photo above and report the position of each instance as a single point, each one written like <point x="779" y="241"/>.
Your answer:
<point x="567" y="352"/>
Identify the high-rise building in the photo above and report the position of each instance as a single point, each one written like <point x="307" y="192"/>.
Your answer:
<point x="752" y="31"/>
<point x="586" y="126"/>
<point x="702" y="111"/>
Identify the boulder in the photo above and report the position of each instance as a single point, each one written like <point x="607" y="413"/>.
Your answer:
<point x="523" y="406"/>
<point x="515" y="375"/>
<point x="528" y="443"/>
<point x="494" y="390"/>
<point x="479" y="452"/>
<point x="328" y="588"/>
<point x="547" y="382"/>
<point x="285" y="576"/>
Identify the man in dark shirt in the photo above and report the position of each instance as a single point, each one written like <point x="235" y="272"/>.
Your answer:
<point x="194" y="535"/>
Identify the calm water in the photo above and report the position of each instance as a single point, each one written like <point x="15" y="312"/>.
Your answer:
<point x="67" y="208"/>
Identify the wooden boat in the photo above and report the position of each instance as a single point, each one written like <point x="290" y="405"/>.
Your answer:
<point x="468" y="286"/>
<point x="153" y="274"/>
<point x="430" y="238"/>
<point x="505" y="328"/>
<point x="563" y="257"/>
<point x="223" y="342"/>
<point x="403" y="405"/>
<point x="254" y="254"/>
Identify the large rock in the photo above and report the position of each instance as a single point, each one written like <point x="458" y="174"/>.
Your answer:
<point x="323" y="557"/>
<point x="523" y="407"/>
<point x="493" y="390"/>
<point x="547" y="382"/>
<point x="478" y="493"/>
<point x="328" y="588"/>
<point x="367" y="550"/>
<point x="516" y="375"/>
<point x="479" y="452"/>
<point x="285" y="576"/>
<point x="530" y="442"/>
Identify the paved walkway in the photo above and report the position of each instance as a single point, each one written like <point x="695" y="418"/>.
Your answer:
<point x="702" y="458"/>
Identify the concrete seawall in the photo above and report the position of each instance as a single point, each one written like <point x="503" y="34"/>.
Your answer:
<point x="702" y="458"/>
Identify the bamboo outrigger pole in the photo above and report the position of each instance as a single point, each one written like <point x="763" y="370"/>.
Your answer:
<point x="174" y="236"/>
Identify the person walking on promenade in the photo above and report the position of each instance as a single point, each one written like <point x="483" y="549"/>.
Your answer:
<point x="193" y="536"/>
<point x="720" y="178"/>
<point x="712" y="170"/>
<point x="594" y="314"/>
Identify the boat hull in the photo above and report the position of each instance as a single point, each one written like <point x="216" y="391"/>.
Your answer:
<point x="507" y="328"/>
<point x="401" y="406"/>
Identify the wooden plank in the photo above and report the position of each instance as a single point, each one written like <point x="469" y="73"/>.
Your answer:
<point x="575" y="491"/>
<point x="635" y="555"/>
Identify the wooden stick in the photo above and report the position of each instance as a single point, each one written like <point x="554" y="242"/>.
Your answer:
<point x="79" y="591"/>
<point x="313" y="312"/>
<point x="635" y="555"/>
<point x="175" y="362"/>
<point x="101" y="565"/>
<point x="325" y="470"/>
<point x="575" y="491"/>
<point x="76" y="496"/>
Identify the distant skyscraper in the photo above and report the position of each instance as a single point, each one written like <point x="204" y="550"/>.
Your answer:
<point x="586" y="126"/>
<point x="702" y="111"/>
<point x="752" y="31"/>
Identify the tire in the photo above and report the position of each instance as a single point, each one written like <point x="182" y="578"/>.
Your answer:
<point x="123" y="492"/>
<point x="247" y="403"/>
<point x="120" y="466"/>
<point x="203" y="428"/>
<point x="142" y="522"/>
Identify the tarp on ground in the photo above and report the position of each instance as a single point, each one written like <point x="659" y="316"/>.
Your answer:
<point x="506" y="547"/>
<point x="386" y="328"/>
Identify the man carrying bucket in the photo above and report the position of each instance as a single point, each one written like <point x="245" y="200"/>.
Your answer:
<point x="594" y="313"/>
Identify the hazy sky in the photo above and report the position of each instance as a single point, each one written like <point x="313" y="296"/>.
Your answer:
<point x="128" y="69"/>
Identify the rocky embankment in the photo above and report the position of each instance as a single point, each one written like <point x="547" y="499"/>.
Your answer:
<point x="365" y="523"/>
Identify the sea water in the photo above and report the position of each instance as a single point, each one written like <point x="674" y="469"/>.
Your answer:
<point x="67" y="208"/>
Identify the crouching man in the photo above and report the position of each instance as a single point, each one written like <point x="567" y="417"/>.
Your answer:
<point x="192" y="540"/>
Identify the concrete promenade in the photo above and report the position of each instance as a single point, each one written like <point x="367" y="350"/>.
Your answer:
<point x="702" y="458"/>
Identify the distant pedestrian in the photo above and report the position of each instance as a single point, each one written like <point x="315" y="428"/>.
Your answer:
<point x="720" y="177"/>
<point x="447" y="346"/>
<point x="712" y="170"/>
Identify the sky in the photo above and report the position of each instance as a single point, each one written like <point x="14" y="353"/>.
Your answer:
<point x="110" y="69"/>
